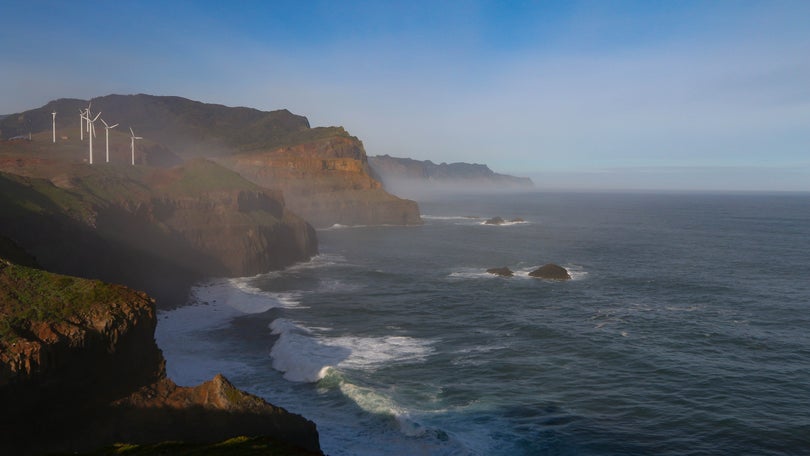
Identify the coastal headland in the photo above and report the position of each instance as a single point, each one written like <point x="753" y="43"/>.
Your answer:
<point x="79" y="367"/>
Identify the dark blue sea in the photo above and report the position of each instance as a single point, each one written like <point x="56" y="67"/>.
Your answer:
<point x="685" y="329"/>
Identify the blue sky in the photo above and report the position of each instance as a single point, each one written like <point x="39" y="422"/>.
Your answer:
<point x="582" y="95"/>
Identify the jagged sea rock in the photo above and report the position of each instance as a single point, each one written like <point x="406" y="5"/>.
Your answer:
<point x="503" y="272"/>
<point x="551" y="271"/>
<point x="495" y="221"/>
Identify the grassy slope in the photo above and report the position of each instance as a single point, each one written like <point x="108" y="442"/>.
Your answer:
<point x="28" y="294"/>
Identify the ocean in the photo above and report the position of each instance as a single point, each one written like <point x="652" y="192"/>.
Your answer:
<point x="685" y="329"/>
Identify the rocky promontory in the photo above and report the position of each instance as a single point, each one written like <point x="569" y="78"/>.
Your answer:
<point x="327" y="180"/>
<point x="79" y="369"/>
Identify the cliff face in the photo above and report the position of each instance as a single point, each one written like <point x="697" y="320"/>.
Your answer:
<point x="413" y="177"/>
<point x="153" y="229"/>
<point x="79" y="369"/>
<point x="327" y="181"/>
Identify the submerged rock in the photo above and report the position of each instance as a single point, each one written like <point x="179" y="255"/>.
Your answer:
<point x="503" y="272"/>
<point x="551" y="271"/>
<point x="495" y="221"/>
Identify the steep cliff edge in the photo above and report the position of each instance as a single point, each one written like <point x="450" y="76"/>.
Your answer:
<point x="79" y="369"/>
<point x="327" y="181"/>
<point x="414" y="178"/>
<point x="153" y="229"/>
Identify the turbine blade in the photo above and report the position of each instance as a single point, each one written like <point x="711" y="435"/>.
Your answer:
<point x="113" y="126"/>
<point x="130" y="130"/>
<point x="138" y="137"/>
<point x="105" y="123"/>
<point x="96" y="118"/>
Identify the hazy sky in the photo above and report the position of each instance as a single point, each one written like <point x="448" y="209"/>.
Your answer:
<point x="603" y="94"/>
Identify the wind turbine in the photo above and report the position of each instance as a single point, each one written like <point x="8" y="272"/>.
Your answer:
<point x="54" y="126"/>
<point x="84" y="114"/>
<point x="132" y="143"/>
<point x="91" y="132"/>
<point x="107" y="129"/>
<point x="81" y="126"/>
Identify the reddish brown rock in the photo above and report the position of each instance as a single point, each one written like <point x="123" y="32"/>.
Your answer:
<point x="79" y="370"/>
<point x="551" y="271"/>
<point x="327" y="181"/>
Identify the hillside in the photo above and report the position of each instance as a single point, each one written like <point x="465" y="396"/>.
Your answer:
<point x="151" y="228"/>
<point x="177" y="129"/>
<point x="405" y="176"/>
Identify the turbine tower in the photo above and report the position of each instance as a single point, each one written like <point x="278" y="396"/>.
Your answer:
<point x="107" y="129"/>
<point x="91" y="132"/>
<point x="132" y="143"/>
<point x="54" y="126"/>
<point x="81" y="125"/>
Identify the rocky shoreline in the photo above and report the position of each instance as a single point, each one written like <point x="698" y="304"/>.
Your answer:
<point x="86" y="372"/>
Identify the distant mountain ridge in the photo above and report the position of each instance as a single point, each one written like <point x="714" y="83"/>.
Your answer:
<point x="403" y="176"/>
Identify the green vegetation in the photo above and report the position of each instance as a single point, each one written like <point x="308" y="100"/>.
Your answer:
<point x="28" y="295"/>
<point x="296" y="137"/>
<point x="238" y="446"/>
<point x="200" y="176"/>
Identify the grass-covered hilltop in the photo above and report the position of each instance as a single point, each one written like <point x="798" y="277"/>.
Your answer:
<point x="323" y="172"/>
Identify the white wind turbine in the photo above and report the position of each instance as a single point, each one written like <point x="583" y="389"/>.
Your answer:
<point x="81" y="126"/>
<point x="107" y="129"/>
<point x="91" y="132"/>
<point x="54" y="126"/>
<point x="132" y="143"/>
<point x="84" y="114"/>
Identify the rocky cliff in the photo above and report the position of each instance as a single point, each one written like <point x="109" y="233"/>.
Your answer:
<point x="327" y="180"/>
<point x="152" y="229"/>
<point x="79" y="369"/>
<point x="405" y="176"/>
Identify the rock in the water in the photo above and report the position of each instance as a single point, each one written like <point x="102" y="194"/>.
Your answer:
<point x="503" y="272"/>
<point x="517" y="220"/>
<point x="551" y="271"/>
<point x="495" y="221"/>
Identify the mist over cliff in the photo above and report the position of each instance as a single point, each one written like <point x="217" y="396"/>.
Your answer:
<point x="323" y="172"/>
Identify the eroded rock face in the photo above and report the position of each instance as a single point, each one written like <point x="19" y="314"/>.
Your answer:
<point x="326" y="181"/>
<point x="153" y="229"/>
<point x="79" y="369"/>
<point x="503" y="272"/>
<point x="210" y="412"/>
<point x="551" y="271"/>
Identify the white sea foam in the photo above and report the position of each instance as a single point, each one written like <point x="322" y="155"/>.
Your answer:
<point x="472" y="273"/>
<point x="450" y="217"/>
<point x="304" y="355"/>
<point x="318" y="261"/>
<point x="182" y="333"/>
<point x="377" y="403"/>
<point x="505" y="223"/>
